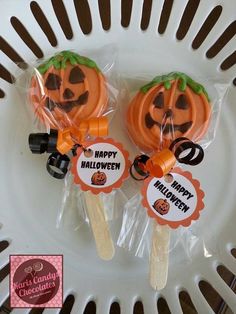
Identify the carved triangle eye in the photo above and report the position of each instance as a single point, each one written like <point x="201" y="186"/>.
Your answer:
<point x="182" y="102"/>
<point x="76" y="75"/>
<point x="159" y="101"/>
<point x="53" y="82"/>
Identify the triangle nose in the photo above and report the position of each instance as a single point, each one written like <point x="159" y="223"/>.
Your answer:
<point x="68" y="94"/>
<point x="169" y="114"/>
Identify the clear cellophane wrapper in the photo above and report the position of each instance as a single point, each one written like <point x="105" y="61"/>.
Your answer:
<point x="71" y="86"/>
<point x="73" y="212"/>
<point x="136" y="229"/>
<point x="60" y="92"/>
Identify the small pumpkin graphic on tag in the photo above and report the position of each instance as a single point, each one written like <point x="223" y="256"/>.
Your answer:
<point x="99" y="178"/>
<point x="161" y="206"/>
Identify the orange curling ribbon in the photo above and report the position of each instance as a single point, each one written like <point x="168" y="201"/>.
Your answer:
<point x="161" y="163"/>
<point x="158" y="165"/>
<point x="94" y="127"/>
<point x="64" y="141"/>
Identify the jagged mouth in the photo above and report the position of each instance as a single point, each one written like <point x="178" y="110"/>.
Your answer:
<point x="100" y="182"/>
<point x="160" y="210"/>
<point x="67" y="106"/>
<point x="167" y="127"/>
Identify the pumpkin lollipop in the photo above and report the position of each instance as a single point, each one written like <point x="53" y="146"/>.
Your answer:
<point x="68" y="89"/>
<point x="68" y="92"/>
<point x="169" y="107"/>
<point x="174" y="109"/>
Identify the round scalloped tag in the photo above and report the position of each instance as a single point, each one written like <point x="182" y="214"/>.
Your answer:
<point x="173" y="200"/>
<point x="100" y="166"/>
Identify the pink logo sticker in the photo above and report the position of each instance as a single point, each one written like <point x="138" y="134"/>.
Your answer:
<point x="36" y="281"/>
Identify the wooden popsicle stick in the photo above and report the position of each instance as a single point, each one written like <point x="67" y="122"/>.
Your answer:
<point x="159" y="256"/>
<point x="99" y="225"/>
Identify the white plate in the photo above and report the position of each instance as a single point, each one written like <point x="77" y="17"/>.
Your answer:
<point x="30" y="198"/>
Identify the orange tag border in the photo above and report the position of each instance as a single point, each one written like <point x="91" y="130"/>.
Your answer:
<point x="108" y="189"/>
<point x="186" y="222"/>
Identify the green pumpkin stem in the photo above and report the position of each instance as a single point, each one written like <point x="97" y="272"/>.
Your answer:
<point x="184" y="81"/>
<point x="60" y="60"/>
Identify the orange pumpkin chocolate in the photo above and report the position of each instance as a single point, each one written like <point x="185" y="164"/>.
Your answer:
<point x="169" y="107"/>
<point x="161" y="206"/>
<point x="67" y="89"/>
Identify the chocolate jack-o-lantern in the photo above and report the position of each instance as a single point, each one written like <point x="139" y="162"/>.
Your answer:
<point x="99" y="178"/>
<point x="169" y="107"/>
<point x="67" y="89"/>
<point x="161" y="206"/>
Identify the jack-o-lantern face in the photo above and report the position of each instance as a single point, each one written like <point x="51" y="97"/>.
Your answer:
<point x="99" y="178"/>
<point x="167" y="108"/>
<point x="161" y="206"/>
<point x="68" y="89"/>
